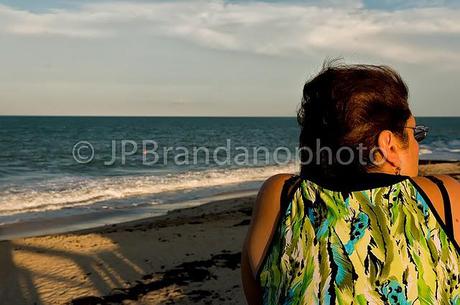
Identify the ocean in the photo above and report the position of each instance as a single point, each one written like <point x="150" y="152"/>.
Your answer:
<point x="57" y="167"/>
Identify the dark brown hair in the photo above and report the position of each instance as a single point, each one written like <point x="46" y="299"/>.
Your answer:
<point x="345" y="105"/>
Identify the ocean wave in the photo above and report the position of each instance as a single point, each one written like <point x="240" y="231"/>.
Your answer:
<point x="71" y="192"/>
<point x="440" y="148"/>
<point x="454" y="143"/>
<point x="425" y="151"/>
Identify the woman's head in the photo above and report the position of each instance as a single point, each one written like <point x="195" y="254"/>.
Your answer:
<point x="354" y="119"/>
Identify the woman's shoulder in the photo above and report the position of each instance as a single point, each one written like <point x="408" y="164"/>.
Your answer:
<point x="270" y="191"/>
<point x="275" y="183"/>
<point x="434" y="194"/>
<point x="264" y="218"/>
<point x="267" y="204"/>
<point x="278" y="179"/>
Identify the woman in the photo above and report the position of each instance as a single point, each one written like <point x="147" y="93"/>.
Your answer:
<point x="348" y="229"/>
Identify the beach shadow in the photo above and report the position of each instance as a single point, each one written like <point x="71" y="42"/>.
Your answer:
<point x="101" y="270"/>
<point x="114" y="265"/>
<point x="16" y="282"/>
<point x="188" y="281"/>
<point x="105" y="272"/>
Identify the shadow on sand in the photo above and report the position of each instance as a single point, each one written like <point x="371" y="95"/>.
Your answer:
<point x="36" y="270"/>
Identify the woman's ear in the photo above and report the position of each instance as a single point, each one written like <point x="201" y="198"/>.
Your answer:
<point x="388" y="144"/>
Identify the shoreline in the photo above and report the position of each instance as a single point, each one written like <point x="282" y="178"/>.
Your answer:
<point x="100" y="219"/>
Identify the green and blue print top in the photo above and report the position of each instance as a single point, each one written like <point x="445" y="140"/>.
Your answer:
<point x="381" y="245"/>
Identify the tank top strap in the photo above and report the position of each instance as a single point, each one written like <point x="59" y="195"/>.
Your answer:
<point x="446" y="202"/>
<point x="289" y="188"/>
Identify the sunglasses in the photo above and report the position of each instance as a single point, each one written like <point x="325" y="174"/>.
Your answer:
<point x="420" y="132"/>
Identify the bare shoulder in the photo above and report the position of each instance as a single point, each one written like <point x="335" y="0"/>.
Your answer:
<point x="433" y="192"/>
<point x="264" y="218"/>
<point x="269" y="192"/>
<point x="452" y="185"/>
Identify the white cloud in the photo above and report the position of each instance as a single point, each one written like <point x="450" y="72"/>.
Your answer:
<point x="264" y="28"/>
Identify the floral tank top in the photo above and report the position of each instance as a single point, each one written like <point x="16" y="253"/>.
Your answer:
<point x="379" y="242"/>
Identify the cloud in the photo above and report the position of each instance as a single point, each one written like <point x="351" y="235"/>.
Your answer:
<point x="415" y="35"/>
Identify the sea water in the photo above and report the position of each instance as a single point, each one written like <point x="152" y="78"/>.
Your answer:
<point x="61" y="166"/>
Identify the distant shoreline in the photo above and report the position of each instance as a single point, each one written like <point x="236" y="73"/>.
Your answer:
<point x="425" y="161"/>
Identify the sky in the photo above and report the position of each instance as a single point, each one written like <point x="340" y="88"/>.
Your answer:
<point x="216" y="58"/>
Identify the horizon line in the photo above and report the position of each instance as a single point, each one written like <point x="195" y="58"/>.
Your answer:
<point x="184" y="116"/>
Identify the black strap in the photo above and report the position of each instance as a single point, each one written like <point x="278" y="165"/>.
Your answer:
<point x="447" y="205"/>
<point x="289" y="187"/>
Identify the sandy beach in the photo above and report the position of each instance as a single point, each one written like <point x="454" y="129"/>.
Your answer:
<point x="190" y="256"/>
